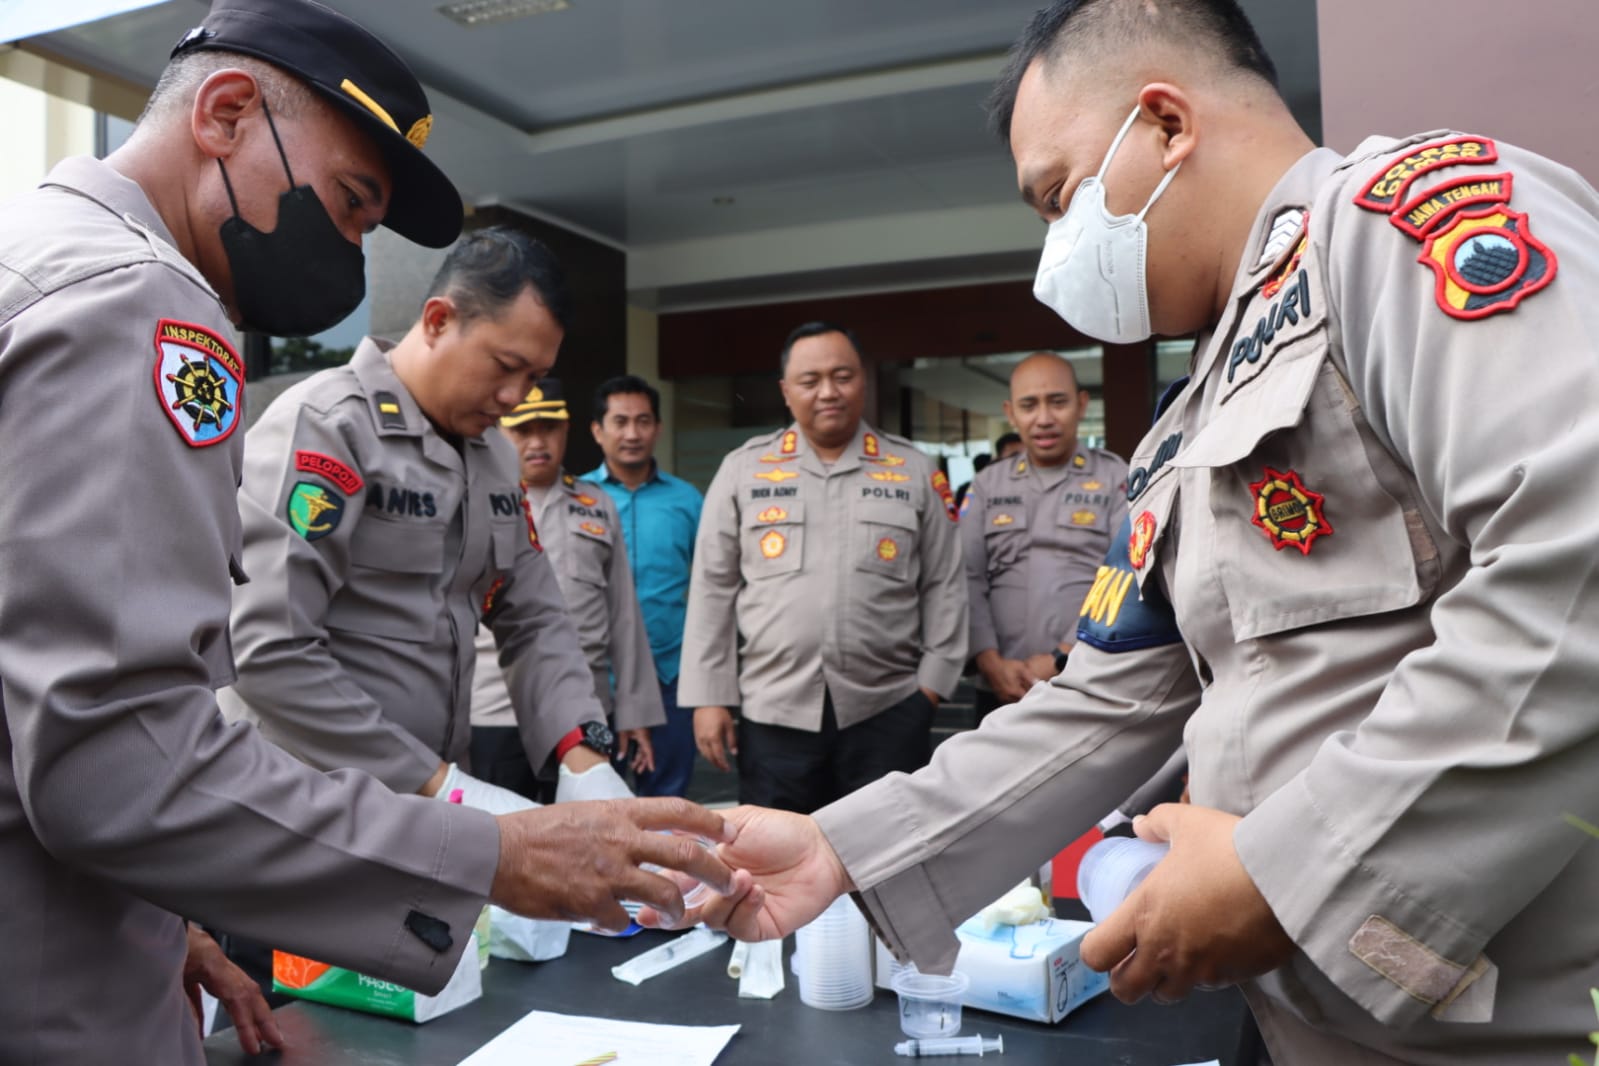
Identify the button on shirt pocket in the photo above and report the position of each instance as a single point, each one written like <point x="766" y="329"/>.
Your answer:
<point x="394" y="585"/>
<point x="885" y="539"/>
<point x="773" y="539"/>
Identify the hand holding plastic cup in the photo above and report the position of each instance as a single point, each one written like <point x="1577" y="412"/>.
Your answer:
<point x="694" y="892"/>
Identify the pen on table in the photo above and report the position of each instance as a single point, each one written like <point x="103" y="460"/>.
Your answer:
<point x="598" y="1060"/>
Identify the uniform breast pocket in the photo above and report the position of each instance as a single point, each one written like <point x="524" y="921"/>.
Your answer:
<point x="773" y="539"/>
<point x="1311" y="518"/>
<point x="394" y="588"/>
<point x="885" y="539"/>
<point x="1090" y="518"/>
<point x="506" y="539"/>
<point x="1004" y="539"/>
<point x="590" y="549"/>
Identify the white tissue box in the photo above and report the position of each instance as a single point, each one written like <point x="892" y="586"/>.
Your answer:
<point x="1026" y="971"/>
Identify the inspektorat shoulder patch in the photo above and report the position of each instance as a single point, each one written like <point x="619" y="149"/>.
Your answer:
<point x="198" y="379"/>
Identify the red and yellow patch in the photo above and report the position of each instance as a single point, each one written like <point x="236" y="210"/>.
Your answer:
<point x="941" y="486"/>
<point x="585" y="499"/>
<point x="325" y="466"/>
<point x="593" y="529"/>
<point x="790" y="443"/>
<point x="488" y="597"/>
<point x="1275" y="283"/>
<point x="532" y="530"/>
<point x="1141" y="540"/>
<point x="776" y="476"/>
<point x="1386" y="190"/>
<point x="1423" y="212"/>
<point x="888" y="549"/>
<point x="1486" y="261"/>
<point x="773" y="544"/>
<point x="1289" y="513"/>
<point x="771" y="514"/>
<point x="870" y="446"/>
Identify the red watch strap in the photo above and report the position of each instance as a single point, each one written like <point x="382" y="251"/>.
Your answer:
<point x="568" y="742"/>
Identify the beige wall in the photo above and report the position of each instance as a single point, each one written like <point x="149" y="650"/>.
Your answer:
<point x="1523" y="72"/>
<point x="644" y="359"/>
<point x="40" y="131"/>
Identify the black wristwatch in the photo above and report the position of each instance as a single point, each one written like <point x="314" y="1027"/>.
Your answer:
<point x="1060" y="660"/>
<point x="595" y="735"/>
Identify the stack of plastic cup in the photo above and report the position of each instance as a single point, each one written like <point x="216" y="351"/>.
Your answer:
<point x="835" y="967"/>
<point x="1111" y="869"/>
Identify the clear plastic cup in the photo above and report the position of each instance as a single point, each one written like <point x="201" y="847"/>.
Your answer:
<point x="694" y="892"/>
<point x="836" y="952"/>
<point x="929" y="1005"/>
<point x="1111" y="869"/>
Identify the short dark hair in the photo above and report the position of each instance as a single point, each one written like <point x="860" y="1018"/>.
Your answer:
<point x="489" y="268"/>
<point x="1217" y="26"/>
<point x="815" y="329"/>
<point x="625" y="385"/>
<point x="1005" y="441"/>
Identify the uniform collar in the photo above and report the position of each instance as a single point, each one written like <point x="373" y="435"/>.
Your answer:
<point x="867" y="444"/>
<point x="1020" y="467"/>
<point x="394" y="410"/>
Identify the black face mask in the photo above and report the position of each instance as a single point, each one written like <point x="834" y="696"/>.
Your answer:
<point x="304" y="276"/>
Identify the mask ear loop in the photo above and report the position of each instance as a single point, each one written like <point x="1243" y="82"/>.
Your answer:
<point x="1117" y="143"/>
<point x="273" y="126"/>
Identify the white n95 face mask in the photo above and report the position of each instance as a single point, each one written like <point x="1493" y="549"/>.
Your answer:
<point x="1091" y="272"/>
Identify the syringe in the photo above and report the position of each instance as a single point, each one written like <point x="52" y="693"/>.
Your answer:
<point x="951" y="1045"/>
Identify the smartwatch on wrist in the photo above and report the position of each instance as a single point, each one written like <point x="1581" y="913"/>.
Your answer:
<point x="595" y="735"/>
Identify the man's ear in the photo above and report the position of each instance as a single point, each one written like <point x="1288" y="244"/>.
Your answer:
<point x="594" y="428"/>
<point x="1008" y="417"/>
<point x="437" y="314"/>
<point x="1173" y="111"/>
<point x="223" y="101"/>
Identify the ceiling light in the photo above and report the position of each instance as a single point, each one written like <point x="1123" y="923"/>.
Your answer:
<point x="471" y="13"/>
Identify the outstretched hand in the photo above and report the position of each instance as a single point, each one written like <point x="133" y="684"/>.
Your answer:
<point x="1197" y="921"/>
<point x="795" y="874"/>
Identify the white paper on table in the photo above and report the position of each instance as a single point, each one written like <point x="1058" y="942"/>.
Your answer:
<point x="569" y="1040"/>
<point x="1212" y="1062"/>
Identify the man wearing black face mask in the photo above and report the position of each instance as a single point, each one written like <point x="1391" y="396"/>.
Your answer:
<point x="125" y="800"/>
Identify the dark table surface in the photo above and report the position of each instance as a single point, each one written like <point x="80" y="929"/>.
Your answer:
<point x="783" y="1030"/>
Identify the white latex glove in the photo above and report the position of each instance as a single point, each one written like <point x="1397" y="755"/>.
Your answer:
<point x="481" y="794"/>
<point x="598" y="782"/>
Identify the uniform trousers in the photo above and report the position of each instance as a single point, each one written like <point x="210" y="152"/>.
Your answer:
<point x="797" y="770"/>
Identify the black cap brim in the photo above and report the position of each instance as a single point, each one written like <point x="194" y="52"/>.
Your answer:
<point x="424" y="205"/>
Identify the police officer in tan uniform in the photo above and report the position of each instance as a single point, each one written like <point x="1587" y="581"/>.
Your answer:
<point x="1034" y="530"/>
<point x="1355" y="575"/>
<point x="827" y="597"/>
<point x="125" y="800"/>
<point x="581" y="536"/>
<point x="381" y="522"/>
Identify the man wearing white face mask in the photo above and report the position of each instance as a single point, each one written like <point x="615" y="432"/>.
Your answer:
<point x="1356" y="584"/>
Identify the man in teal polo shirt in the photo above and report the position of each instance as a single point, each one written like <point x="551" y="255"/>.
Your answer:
<point x="660" y="516"/>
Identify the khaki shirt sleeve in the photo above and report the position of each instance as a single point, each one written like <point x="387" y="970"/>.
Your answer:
<point x="930" y="849"/>
<point x="112" y="637"/>
<point x="301" y="694"/>
<point x="637" y="692"/>
<point x="974" y="553"/>
<point x="1361" y="855"/>
<point x="709" y="676"/>
<point x="551" y="685"/>
<point x="942" y="592"/>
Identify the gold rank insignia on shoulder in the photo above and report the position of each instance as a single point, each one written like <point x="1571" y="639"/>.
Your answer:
<point x="568" y="480"/>
<point x="1021" y="466"/>
<point x="1485" y="260"/>
<point x="1004" y="520"/>
<point x="776" y="476"/>
<point x="870" y="446"/>
<point x="585" y="499"/>
<point x="1287" y="512"/>
<point x="1079" y="462"/>
<point x="790" y="443"/>
<point x="887" y="475"/>
<point x="1084" y="518"/>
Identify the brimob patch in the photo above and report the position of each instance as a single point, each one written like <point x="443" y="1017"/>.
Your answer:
<point x="325" y="466"/>
<point x="314" y="510"/>
<point x="1289" y="513"/>
<point x="1486" y="261"/>
<point x="199" y="379"/>
<point x="1386" y="190"/>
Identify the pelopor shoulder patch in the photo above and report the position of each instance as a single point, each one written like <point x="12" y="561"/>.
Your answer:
<point x="198" y="379"/>
<point x="1117" y="616"/>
